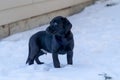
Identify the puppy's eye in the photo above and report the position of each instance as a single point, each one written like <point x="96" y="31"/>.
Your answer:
<point x="55" y="24"/>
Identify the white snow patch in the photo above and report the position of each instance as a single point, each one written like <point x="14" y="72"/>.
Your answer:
<point x="96" y="33"/>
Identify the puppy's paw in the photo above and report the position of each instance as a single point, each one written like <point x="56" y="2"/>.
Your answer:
<point x="57" y="66"/>
<point x="40" y="63"/>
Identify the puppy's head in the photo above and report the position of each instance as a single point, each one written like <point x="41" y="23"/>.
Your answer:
<point x="59" y="26"/>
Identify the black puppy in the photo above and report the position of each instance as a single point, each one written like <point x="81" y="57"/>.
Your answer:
<point x="57" y="39"/>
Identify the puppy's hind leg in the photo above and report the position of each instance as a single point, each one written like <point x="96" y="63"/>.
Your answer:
<point x="37" y="57"/>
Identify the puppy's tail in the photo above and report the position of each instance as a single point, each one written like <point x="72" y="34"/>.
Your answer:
<point x="27" y="60"/>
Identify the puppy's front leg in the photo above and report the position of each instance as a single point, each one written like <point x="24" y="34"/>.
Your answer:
<point x="70" y="57"/>
<point x="56" y="60"/>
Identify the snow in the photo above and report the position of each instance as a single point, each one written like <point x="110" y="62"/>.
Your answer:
<point x="96" y="32"/>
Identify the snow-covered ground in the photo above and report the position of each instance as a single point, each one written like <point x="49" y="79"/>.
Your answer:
<point x="97" y="49"/>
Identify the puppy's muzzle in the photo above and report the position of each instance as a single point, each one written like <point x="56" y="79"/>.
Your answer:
<point x="51" y="30"/>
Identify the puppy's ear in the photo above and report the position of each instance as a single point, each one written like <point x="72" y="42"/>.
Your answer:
<point x="67" y="25"/>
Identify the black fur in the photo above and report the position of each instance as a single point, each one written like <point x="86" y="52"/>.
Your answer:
<point x="57" y="39"/>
